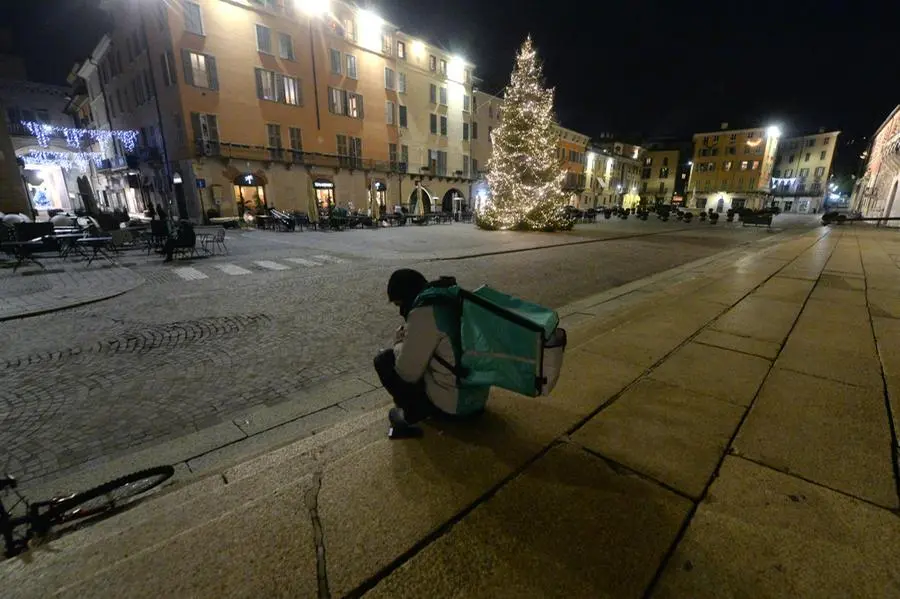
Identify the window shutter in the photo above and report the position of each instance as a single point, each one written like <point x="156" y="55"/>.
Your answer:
<point x="188" y="71"/>
<point x="279" y="87"/>
<point x="212" y="73"/>
<point x="259" y="85"/>
<point x="195" y="125"/>
<point x="359" y="103"/>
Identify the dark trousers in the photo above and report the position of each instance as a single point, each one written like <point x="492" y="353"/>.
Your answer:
<point x="410" y="397"/>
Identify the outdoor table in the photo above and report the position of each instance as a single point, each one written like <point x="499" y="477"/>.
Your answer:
<point x="97" y="244"/>
<point x="65" y="241"/>
<point x="23" y="251"/>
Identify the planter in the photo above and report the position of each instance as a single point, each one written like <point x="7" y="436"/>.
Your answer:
<point x="607" y="214"/>
<point x="713" y="218"/>
<point x="702" y="216"/>
<point x="688" y="217"/>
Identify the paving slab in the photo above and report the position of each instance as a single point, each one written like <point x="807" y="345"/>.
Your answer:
<point x="747" y="345"/>
<point x="759" y="318"/>
<point x="729" y="375"/>
<point x="836" y="281"/>
<point x="670" y="434"/>
<point x="256" y="553"/>
<point x="761" y="533"/>
<point x="784" y="288"/>
<point x="825" y="356"/>
<point x="839" y="297"/>
<point x="828" y="432"/>
<point x="569" y="526"/>
<point x="884" y="303"/>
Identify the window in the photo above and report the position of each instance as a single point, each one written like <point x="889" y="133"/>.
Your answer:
<point x="806" y="158"/>
<point x="296" y="139"/>
<point x="744" y="165"/>
<point x="387" y="44"/>
<point x="401" y="50"/>
<point x="276" y="87"/>
<point x="776" y="173"/>
<point x="466" y="103"/>
<point x="193" y="21"/>
<point x="401" y="83"/>
<point x="465" y="131"/>
<point x="354" y="106"/>
<point x="392" y="156"/>
<point x="432" y="63"/>
<point x="816" y="187"/>
<point x="820" y="172"/>
<point x="665" y="161"/>
<point x="810" y="143"/>
<point x="646" y="172"/>
<point x="200" y="70"/>
<point x="432" y="93"/>
<point x="337" y="101"/>
<point x="432" y="120"/>
<point x="389" y="112"/>
<point x="285" y="46"/>
<point x="335" y="61"/>
<point x="206" y="130"/>
<point x="704" y="152"/>
<point x="167" y="66"/>
<point x="389" y="81"/>
<point x="401" y="114"/>
<point x="273" y="133"/>
<point x="791" y="158"/>
<point x="351" y="66"/>
<point x="342" y="145"/>
<point x="465" y="167"/>
<point x="474" y="167"/>
<point x="438" y="159"/>
<point x="350" y="29"/>
<point x="826" y="141"/>
<point x="731" y="150"/>
<point x="751" y="135"/>
<point x="788" y="173"/>
<point x="443" y="96"/>
<point x="648" y="161"/>
<point x="474" y="130"/>
<point x="755" y="165"/>
<point x="443" y="70"/>
<point x="404" y="156"/>
<point x="263" y="39"/>
<point x="664" y="172"/>
<point x="350" y="150"/>
<point x="804" y="172"/>
<point x="714" y="151"/>
<point x="732" y="138"/>
<point x="662" y="188"/>
<point x="822" y="155"/>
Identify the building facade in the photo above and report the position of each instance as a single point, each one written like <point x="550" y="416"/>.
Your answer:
<point x="802" y="170"/>
<point x="876" y="194"/>
<point x="732" y="168"/>
<point x="572" y="149"/>
<point x="247" y="104"/>
<point x="659" y="176"/>
<point x="617" y="169"/>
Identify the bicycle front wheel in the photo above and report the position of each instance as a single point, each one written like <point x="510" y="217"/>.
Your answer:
<point x="110" y="496"/>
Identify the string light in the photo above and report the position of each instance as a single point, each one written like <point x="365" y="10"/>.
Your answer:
<point x="74" y="136"/>
<point x="67" y="160"/>
<point x="525" y="175"/>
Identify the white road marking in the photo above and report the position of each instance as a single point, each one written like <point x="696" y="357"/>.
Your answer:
<point x="303" y="262"/>
<point x="271" y="265"/>
<point x="189" y="274"/>
<point x="325" y="258"/>
<point x="232" y="269"/>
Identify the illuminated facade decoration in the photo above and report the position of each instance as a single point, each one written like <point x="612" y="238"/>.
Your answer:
<point x="877" y="195"/>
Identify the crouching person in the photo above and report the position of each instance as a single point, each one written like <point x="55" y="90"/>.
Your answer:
<point x="420" y="372"/>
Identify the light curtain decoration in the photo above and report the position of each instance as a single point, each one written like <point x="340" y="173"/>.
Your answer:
<point x="67" y="160"/>
<point x="525" y="175"/>
<point x="74" y="136"/>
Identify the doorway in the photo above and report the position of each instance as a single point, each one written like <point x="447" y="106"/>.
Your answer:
<point x="250" y="195"/>
<point x="324" y="194"/>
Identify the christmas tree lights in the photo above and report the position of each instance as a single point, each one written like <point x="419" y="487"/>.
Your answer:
<point x="67" y="160"/>
<point x="74" y="136"/>
<point x="525" y="175"/>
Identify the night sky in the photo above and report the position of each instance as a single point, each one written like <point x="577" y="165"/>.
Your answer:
<point x="641" y="69"/>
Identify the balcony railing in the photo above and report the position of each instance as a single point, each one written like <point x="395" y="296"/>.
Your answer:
<point x="118" y="163"/>
<point x="298" y="157"/>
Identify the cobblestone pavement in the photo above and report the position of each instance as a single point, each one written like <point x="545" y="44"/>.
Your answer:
<point x="204" y="339"/>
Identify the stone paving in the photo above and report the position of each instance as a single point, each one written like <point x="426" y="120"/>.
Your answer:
<point x="176" y="357"/>
<point x="686" y="452"/>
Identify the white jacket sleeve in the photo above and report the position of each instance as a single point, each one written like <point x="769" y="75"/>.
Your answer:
<point x="422" y="338"/>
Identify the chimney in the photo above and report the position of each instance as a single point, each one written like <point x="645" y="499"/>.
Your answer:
<point x="724" y="126"/>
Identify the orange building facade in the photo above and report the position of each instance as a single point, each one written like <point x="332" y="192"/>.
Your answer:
<point x="259" y="100"/>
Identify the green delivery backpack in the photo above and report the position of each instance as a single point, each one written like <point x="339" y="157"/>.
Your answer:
<point x="500" y="340"/>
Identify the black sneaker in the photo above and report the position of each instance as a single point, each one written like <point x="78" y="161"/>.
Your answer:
<point x="400" y="428"/>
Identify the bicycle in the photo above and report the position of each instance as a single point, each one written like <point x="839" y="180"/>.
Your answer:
<point x="41" y="516"/>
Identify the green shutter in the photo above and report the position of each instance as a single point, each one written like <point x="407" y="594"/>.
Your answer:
<point x="195" y="125"/>
<point x="212" y="72"/>
<point x="188" y="71"/>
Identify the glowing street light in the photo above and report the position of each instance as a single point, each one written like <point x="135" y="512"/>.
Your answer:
<point x="314" y="7"/>
<point x="773" y="131"/>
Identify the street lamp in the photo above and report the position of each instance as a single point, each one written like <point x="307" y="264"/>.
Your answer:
<point x="314" y="8"/>
<point x="773" y="131"/>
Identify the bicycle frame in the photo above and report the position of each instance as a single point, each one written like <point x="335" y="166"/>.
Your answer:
<point x="38" y="523"/>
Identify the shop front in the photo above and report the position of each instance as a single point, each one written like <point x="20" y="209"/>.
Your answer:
<point x="250" y="194"/>
<point x="324" y="193"/>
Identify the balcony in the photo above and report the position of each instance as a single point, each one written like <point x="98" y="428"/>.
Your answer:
<point x="118" y="163"/>
<point x="289" y="157"/>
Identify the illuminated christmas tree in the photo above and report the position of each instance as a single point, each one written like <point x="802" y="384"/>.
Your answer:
<point x="525" y="175"/>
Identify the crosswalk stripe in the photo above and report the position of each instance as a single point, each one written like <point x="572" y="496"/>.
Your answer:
<point x="325" y="258"/>
<point x="303" y="262"/>
<point x="189" y="274"/>
<point x="232" y="269"/>
<point x="270" y="265"/>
